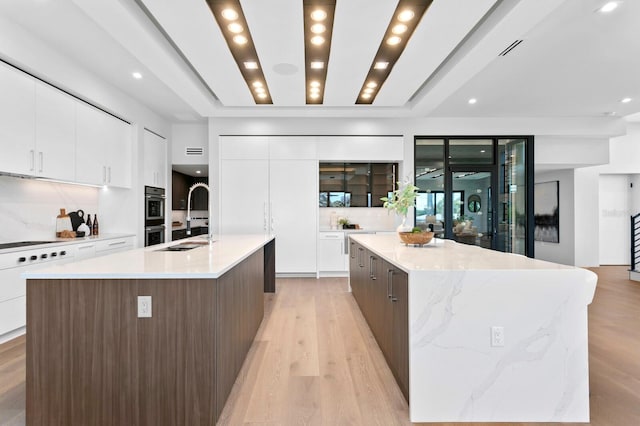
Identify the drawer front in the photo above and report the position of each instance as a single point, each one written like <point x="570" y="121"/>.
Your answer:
<point x="13" y="314"/>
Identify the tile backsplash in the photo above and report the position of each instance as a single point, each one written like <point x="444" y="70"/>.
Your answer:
<point x="28" y="207"/>
<point x="372" y="218"/>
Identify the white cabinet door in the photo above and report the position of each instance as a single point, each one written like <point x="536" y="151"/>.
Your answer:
<point x="118" y="152"/>
<point x="244" y="196"/>
<point x="155" y="160"/>
<point x="294" y="209"/>
<point x="104" y="148"/>
<point x="331" y="255"/>
<point x="292" y="148"/>
<point x="90" y="134"/>
<point x="55" y="133"/>
<point x="244" y="147"/>
<point x="17" y="121"/>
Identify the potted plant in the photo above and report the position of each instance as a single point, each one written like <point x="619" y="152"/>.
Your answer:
<point x="401" y="201"/>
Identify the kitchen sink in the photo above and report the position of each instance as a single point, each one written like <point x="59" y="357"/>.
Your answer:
<point x="189" y="245"/>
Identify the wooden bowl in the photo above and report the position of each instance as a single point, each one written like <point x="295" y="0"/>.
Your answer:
<point x="419" y="238"/>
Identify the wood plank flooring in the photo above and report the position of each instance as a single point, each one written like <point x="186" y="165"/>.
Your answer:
<point x="315" y="361"/>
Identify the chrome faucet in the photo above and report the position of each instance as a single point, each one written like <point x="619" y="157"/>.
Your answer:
<point x="194" y="186"/>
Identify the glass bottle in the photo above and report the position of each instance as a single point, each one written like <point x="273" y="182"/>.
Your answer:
<point x="89" y="224"/>
<point x="95" y="230"/>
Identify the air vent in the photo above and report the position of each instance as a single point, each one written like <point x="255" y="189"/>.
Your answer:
<point x="510" y="48"/>
<point x="195" y="151"/>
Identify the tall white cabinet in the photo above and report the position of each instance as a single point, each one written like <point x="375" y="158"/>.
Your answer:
<point x="269" y="184"/>
<point x="155" y="160"/>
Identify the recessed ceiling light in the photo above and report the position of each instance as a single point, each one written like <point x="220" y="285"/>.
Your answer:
<point x="399" y="29"/>
<point x="235" y="28"/>
<point x="368" y="90"/>
<point x="251" y="65"/>
<point x="406" y="15"/>
<point x="365" y="96"/>
<point x="609" y="7"/>
<point x="473" y="101"/>
<point x="372" y="84"/>
<point x="482" y="151"/>
<point x="317" y="65"/>
<point x="198" y="172"/>
<point x="240" y="39"/>
<point x="317" y="40"/>
<point x="318" y="15"/>
<point x="626" y="100"/>
<point x="257" y="84"/>
<point x="262" y="95"/>
<point x="314" y="84"/>
<point x="137" y="75"/>
<point x="314" y="95"/>
<point x="381" y="65"/>
<point x="393" y="40"/>
<point x="314" y="90"/>
<point x="318" y="28"/>
<point x="259" y="90"/>
<point x="229" y="14"/>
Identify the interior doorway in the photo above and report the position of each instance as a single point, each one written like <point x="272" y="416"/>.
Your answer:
<point x="478" y="189"/>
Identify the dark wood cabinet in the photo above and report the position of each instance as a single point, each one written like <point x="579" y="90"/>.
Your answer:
<point x="180" y="184"/>
<point x="381" y="291"/>
<point x="180" y="190"/>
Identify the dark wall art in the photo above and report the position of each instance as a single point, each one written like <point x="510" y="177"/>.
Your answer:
<point x="547" y="216"/>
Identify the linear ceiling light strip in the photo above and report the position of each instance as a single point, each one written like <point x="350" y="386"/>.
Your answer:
<point x="232" y="23"/>
<point x="405" y="19"/>
<point x="318" y="27"/>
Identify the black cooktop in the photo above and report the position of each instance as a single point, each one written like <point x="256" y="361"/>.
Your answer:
<point x="23" y="244"/>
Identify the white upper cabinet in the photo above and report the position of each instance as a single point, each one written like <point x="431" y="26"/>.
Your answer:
<point x="292" y="148"/>
<point x="360" y="148"/>
<point x="17" y="121"/>
<point x="55" y="133"/>
<point x="244" y="148"/>
<point x="103" y="154"/>
<point x="155" y="160"/>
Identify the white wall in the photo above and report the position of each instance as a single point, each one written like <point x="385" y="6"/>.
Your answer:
<point x="189" y="135"/>
<point x="28" y="207"/>
<point x="564" y="251"/>
<point x="614" y="219"/>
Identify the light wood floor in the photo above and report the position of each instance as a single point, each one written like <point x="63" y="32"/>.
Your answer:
<point x="314" y="361"/>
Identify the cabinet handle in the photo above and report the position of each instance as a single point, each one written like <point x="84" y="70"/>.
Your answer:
<point x="371" y="274"/>
<point x="109" y="174"/>
<point x="264" y="205"/>
<point x="41" y="155"/>
<point x="361" y="257"/>
<point x="390" y="284"/>
<point x="33" y="160"/>
<point x="353" y="253"/>
<point x="104" y="174"/>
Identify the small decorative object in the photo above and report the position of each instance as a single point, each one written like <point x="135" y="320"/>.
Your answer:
<point x="343" y="222"/>
<point x="401" y="200"/>
<point x="417" y="236"/>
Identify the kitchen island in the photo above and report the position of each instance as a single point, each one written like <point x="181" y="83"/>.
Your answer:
<point x="472" y="334"/>
<point x="100" y="352"/>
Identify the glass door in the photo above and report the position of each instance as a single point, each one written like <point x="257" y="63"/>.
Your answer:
<point x="472" y="208"/>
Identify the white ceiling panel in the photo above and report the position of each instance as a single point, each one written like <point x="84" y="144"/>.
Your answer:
<point x="442" y="28"/>
<point x="277" y="30"/>
<point x="358" y="28"/>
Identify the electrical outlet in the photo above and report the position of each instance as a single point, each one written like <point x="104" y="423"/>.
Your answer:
<point x="497" y="336"/>
<point x="144" y="306"/>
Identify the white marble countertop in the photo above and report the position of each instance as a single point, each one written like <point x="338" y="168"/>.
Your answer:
<point x="209" y="261"/>
<point x="447" y="255"/>
<point x="64" y="241"/>
<point x="457" y="295"/>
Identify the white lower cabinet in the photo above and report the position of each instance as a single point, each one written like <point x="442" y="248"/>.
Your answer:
<point x="13" y="265"/>
<point x="332" y="255"/>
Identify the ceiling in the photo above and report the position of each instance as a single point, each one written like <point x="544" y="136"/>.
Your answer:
<point x="572" y="62"/>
